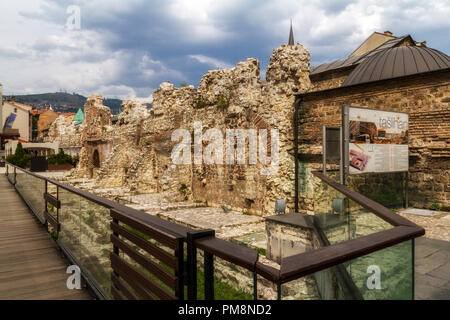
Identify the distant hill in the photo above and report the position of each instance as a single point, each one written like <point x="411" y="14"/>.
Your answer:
<point x="64" y="102"/>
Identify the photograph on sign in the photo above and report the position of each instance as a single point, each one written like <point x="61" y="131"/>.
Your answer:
<point x="378" y="141"/>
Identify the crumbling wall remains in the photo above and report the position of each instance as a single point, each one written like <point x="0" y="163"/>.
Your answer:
<point x="141" y="145"/>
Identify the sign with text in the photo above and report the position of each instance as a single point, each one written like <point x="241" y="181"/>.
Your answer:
<point x="377" y="141"/>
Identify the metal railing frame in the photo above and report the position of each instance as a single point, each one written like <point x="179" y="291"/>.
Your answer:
<point x="292" y="268"/>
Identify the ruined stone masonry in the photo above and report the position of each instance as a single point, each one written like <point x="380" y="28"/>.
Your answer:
<point x="135" y="153"/>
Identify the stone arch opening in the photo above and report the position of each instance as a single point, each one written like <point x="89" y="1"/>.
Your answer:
<point x="96" y="159"/>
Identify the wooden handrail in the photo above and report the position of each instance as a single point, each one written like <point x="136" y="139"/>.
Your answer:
<point x="293" y="267"/>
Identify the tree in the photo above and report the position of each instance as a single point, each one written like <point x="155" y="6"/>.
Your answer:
<point x="60" y="158"/>
<point x="20" y="158"/>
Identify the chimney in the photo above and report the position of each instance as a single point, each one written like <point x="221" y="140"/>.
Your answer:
<point x="388" y="33"/>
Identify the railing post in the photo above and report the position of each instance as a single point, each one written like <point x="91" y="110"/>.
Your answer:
<point x="209" y="276"/>
<point x="57" y="209"/>
<point x="192" y="261"/>
<point x="15" y="176"/>
<point x="179" y="253"/>
<point x="278" y="291"/>
<point x="115" y="250"/>
<point x="46" y="204"/>
<point x="255" y="286"/>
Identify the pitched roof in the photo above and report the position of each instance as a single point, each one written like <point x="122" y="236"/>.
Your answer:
<point x="397" y="62"/>
<point x="353" y="61"/>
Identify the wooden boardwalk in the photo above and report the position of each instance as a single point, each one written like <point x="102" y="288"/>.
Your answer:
<point x="31" y="266"/>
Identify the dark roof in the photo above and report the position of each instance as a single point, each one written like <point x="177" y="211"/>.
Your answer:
<point x="397" y="62"/>
<point x="355" y="60"/>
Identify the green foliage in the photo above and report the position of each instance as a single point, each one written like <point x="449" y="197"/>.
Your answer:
<point x="60" y="158"/>
<point x="54" y="235"/>
<point x="435" y="207"/>
<point x="51" y="208"/>
<point x="61" y="100"/>
<point x="261" y="251"/>
<point x="223" y="102"/>
<point x="20" y="158"/>
<point x="183" y="85"/>
<point x="75" y="160"/>
<point x="201" y="104"/>
<point x="90" y="219"/>
<point x="183" y="190"/>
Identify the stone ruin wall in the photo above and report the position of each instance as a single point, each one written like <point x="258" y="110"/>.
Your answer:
<point x="136" y="151"/>
<point x="66" y="134"/>
<point x="426" y="98"/>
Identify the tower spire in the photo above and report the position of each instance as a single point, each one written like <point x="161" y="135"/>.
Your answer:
<point x="291" y="36"/>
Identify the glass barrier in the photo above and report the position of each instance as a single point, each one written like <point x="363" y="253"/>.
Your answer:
<point x="69" y="219"/>
<point x="32" y="190"/>
<point x="231" y="282"/>
<point x="85" y="235"/>
<point x="388" y="189"/>
<point x="95" y="245"/>
<point x="340" y="218"/>
<point x="383" y="275"/>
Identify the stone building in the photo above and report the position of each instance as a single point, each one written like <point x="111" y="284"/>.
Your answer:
<point x="401" y="75"/>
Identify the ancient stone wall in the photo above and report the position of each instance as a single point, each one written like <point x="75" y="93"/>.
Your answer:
<point x="95" y="136"/>
<point x="235" y="98"/>
<point x="425" y="97"/>
<point x="67" y="134"/>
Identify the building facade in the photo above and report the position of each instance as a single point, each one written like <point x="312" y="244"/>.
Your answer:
<point x="399" y="75"/>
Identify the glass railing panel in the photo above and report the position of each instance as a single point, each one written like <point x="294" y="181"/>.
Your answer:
<point x="95" y="244"/>
<point x="386" y="274"/>
<point x="69" y="219"/>
<point x="32" y="189"/>
<point x="304" y="288"/>
<point x="231" y="282"/>
<point x="340" y="218"/>
<point x="388" y="189"/>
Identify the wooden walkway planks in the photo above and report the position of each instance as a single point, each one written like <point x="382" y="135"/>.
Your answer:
<point x="31" y="266"/>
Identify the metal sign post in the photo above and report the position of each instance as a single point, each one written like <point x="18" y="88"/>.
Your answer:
<point x="331" y="146"/>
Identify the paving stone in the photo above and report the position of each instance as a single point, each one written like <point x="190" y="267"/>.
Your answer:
<point x="442" y="272"/>
<point x="427" y="292"/>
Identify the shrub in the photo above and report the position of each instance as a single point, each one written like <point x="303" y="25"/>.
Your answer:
<point x="60" y="158"/>
<point x="223" y="102"/>
<point x="20" y="158"/>
<point x="200" y="104"/>
<point x="435" y="207"/>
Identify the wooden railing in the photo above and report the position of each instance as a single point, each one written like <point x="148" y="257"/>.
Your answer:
<point x="139" y="282"/>
<point x="155" y="267"/>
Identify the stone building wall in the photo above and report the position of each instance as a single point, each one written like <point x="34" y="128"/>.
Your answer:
<point x="330" y="80"/>
<point x="140" y="146"/>
<point x="419" y="95"/>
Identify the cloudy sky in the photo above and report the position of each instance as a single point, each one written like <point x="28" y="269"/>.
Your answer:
<point x="125" y="49"/>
